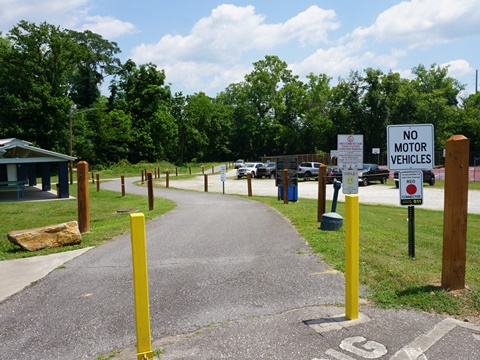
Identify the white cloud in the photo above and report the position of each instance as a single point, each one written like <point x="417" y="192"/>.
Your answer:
<point x="52" y="11"/>
<point x="425" y="22"/>
<point x="458" y="68"/>
<point x="107" y="26"/>
<point x="220" y="40"/>
<point x="71" y="14"/>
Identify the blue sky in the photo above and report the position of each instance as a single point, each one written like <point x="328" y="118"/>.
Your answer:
<point x="205" y="45"/>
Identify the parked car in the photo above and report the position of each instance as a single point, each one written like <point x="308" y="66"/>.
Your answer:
<point x="268" y="170"/>
<point x="239" y="163"/>
<point x="333" y="174"/>
<point x="308" y="169"/>
<point x="249" y="168"/>
<point x="371" y="172"/>
<point x="428" y="177"/>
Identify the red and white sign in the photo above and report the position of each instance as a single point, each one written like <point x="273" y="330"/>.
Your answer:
<point x="350" y="152"/>
<point x="411" y="187"/>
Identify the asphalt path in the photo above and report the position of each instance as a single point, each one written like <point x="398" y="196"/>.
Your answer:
<point x="228" y="278"/>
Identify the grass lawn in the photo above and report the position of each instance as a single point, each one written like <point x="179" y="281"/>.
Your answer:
<point x="394" y="279"/>
<point x="105" y="222"/>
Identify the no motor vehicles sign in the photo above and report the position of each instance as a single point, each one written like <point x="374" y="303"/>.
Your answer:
<point x="410" y="147"/>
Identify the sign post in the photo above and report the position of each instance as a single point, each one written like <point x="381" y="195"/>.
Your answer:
<point x="410" y="147"/>
<point x="411" y="194"/>
<point x="223" y="176"/>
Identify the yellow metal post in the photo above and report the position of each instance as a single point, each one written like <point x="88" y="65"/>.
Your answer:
<point x="352" y="235"/>
<point x="140" y="286"/>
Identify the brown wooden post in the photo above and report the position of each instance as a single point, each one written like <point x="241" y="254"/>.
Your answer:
<point x="150" y="191"/>
<point x="322" y="191"/>
<point x="167" y="180"/>
<point x="203" y="169"/>
<point x="93" y="178"/>
<point x="159" y="173"/>
<point x="205" y="182"/>
<point x="176" y="171"/>
<point x="285" y="186"/>
<point x="83" y="197"/>
<point x="142" y="176"/>
<point x="123" y="185"/>
<point x="249" y="184"/>
<point x="455" y="212"/>
<point x="190" y="170"/>
<point x="98" y="182"/>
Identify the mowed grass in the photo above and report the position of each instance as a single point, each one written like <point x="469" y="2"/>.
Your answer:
<point x="394" y="279"/>
<point x="105" y="222"/>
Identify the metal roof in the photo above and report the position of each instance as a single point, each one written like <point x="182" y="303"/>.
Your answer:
<point x="16" y="151"/>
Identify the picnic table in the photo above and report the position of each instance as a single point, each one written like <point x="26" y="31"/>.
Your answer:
<point x="13" y="186"/>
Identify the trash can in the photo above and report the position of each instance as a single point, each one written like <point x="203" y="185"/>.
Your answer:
<point x="292" y="193"/>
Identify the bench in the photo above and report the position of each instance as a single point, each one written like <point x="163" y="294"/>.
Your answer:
<point x="18" y="187"/>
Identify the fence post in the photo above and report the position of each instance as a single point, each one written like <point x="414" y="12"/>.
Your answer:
<point x="455" y="212"/>
<point x="98" y="182"/>
<point x="83" y="197"/>
<point x="150" y="191"/>
<point x="123" y="185"/>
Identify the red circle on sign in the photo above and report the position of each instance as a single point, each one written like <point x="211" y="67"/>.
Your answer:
<point x="411" y="189"/>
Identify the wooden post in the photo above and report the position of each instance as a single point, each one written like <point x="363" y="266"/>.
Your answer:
<point x="455" y="213"/>
<point x="285" y="186"/>
<point x="98" y="182"/>
<point x="176" y="171"/>
<point x="83" y="197"/>
<point x="93" y="178"/>
<point x="150" y="191"/>
<point x="190" y="170"/>
<point x="123" y="185"/>
<point x="167" y="180"/>
<point x="213" y="169"/>
<point x="322" y="191"/>
<point x="142" y="176"/>
<point x="249" y="184"/>
<point x="205" y="182"/>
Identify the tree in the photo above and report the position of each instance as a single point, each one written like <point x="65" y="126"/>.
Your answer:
<point x="142" y="94"/>
<point x="39" y="67"/>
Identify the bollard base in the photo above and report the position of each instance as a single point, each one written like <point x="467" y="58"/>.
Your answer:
<point x="331" y="221"/>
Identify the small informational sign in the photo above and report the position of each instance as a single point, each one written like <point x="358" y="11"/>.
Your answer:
<point x="375" y="151"/>
<point x="350" y="182"/>
<point x="290" y="163"/>
<point x="350" y="151"/>
<point x="410" y="147"/>
<point x="223" y="173"/>
<point x="411" y="187"/>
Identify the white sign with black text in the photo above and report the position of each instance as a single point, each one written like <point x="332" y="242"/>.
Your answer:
<point x="411" y="187"/>
<point x="350" y="151"/>
<point x="410" y="147"/>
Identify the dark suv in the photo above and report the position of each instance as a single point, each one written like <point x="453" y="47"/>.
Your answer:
<point x="428" y="177"/>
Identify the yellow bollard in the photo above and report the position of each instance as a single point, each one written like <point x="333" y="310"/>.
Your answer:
<point x="140" y="286"/>
<point x="352" y="235"/>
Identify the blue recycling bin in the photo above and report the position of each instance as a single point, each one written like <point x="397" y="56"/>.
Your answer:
<point x="292" y="193"/>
